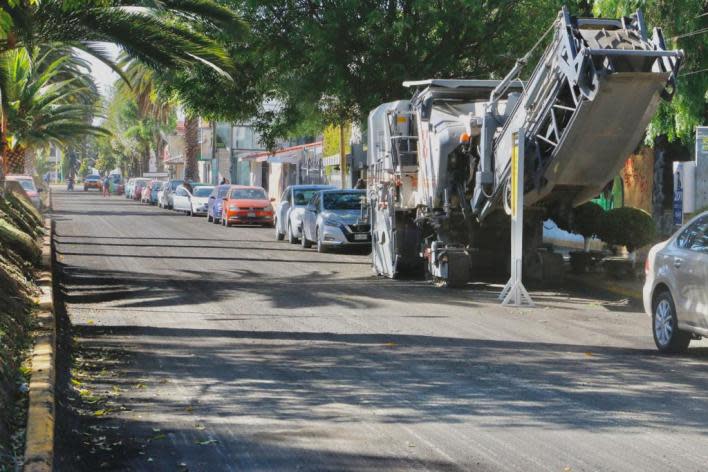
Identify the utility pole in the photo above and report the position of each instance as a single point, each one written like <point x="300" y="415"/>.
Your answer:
<point x="342" y="157"/>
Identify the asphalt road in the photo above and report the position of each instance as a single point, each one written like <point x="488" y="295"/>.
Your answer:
<point x="198" y="347"/>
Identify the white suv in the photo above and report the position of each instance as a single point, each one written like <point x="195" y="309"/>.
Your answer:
<point x="676" y="288"/>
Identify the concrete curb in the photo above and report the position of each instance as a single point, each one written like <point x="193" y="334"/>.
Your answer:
<point x="39" y="441"/>
<point x="608" y="286"/>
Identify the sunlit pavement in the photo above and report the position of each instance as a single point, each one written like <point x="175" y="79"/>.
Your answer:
<point x="200" y="347"/>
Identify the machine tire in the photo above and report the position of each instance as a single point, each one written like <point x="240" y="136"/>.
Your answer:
<point x="667" y="337"/>
<point x="458" y="272"/>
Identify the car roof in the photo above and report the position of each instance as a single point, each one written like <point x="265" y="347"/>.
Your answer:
<point x="246" y="187"/>
<point x="311" y="187"/>
<point x="344" y="190"/>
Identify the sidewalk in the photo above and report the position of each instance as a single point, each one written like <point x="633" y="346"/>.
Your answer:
<point x="599" y="280"/>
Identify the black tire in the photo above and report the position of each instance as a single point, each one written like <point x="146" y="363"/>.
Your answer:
<point x="321" y="248"/>
<point x="209" y="218"/>
<point x="291" y="237"/>
<point x="306" y="243"/>
<point x="667" y="336"/>
<point x="278" y="235"/>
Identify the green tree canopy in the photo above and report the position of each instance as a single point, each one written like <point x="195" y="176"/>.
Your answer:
<point x="684" y="24"/>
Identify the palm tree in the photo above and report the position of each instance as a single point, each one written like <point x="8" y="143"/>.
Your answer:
<point x="191" y="146"/>
<point x="41" y="109"/>
<point x="159" y="34"/>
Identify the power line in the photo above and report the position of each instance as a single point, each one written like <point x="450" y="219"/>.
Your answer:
<point x="692" y="33"/>
<point x="692" y="72"/>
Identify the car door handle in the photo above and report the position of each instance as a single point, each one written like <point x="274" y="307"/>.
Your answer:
<point x="677" y="262"/>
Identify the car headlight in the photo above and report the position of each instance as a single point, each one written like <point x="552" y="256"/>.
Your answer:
<point x="233" y="208"/>
<point x="333" y="222"/>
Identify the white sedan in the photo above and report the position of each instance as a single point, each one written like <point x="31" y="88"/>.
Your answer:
<point x="676" y="287"/>
<point x="194" y="202"/>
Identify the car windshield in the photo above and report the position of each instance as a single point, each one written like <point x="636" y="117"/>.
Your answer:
<point x="175" y="183"/>
<point x="27" y="185"/>
<point x="93" y="177"/>
<point x="202" y="191"/>
<point x="342" y="201"/>
<point x="302" y="196"/>
<point x="248" y="194"/>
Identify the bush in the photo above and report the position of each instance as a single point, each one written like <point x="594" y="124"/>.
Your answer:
<point x="629" y="227"/>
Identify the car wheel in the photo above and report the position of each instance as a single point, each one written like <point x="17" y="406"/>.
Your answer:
<point x="278" y="235"/>
<point x="667" y="337"/>
<point x="321" y="248"/>
<point x="291" y="237"/>
<point x="306" y="243"/>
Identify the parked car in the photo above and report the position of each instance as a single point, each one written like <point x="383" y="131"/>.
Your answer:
<point x="676" y="287"/>
<point x="146" y="195"/>
<point x="246" y="205"/>
<point x="333" y="218"/>
<point x="216" y="200"/>
<point x="93" y="181"/>
<point x="154" y="189"/>
<point x="169" y="191"/>
<point x="290" y="209"/>
<point x="140" y="184"/>
<point x="27" y="184"/>
<point x="129" y="186"/>
<point x="116" y="184"/>
<point x="200" y="199"/>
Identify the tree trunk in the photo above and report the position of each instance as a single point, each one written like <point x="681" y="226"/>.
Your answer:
<point x="15" y="160"/>
<point x="191" y="148"/>
<point x="30" y="159"/>
<point x="161" y="144"/>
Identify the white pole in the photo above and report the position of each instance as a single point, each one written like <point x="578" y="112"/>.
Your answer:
<point x="514" y="292"/>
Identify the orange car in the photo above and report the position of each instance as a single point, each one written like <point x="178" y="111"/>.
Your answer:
<point x="246" y="205"/>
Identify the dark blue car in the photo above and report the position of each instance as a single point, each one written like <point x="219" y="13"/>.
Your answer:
<point x="216" y="199"/>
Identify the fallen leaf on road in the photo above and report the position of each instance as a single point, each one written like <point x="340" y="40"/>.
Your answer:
<point x="189" y="409"/>
<point x="588" y="353"/>
<point x="99" y="412"/>
<point x="140" y="385"/>
<point x="390" y="344"/>
<point x="200" y="427"/>
<point x="90" y="322"/>
<point x="158" y="437"/>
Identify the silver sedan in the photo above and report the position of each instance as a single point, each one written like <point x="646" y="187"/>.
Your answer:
<point x="333" y="219"/>
<point x="676" y="287"/>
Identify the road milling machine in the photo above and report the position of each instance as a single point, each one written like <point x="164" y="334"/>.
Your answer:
<point x="439" y="163"/>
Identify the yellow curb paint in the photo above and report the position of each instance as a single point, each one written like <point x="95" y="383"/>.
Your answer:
<point x="39" y="441"/>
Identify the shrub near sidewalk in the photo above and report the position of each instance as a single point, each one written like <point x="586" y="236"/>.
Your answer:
<point x="20" y="226"/>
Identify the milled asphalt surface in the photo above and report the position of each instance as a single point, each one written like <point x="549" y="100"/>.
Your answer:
<point x="222" y="349"/>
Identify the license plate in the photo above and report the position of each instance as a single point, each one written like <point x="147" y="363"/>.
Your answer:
<point x="361" y="237"/>
<point x="251" y="214"/>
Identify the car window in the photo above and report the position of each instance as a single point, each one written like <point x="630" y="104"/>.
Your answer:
<point x="695" y="236"/>
<point x="181" y="192"/>
<point x="222" y="191"/>
<point x="27" y="185"/>
<point x="202" y="191"/>
<point x="302" y="196"/>
<point x="248" y="194"/>
<point x="315" y="200"/>
<point x="343" y="200"/>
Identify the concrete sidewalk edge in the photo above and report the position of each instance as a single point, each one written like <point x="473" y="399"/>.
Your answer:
<point x="39" y="440"/>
